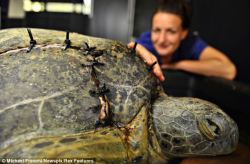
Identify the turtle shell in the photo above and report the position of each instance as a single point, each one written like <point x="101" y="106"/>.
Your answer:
<point x="54" y="90"/>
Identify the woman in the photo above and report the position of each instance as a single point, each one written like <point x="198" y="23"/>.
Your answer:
<point x="171" y="43"/>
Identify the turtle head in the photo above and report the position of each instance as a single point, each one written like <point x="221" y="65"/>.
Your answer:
<point x="188" y="127"/>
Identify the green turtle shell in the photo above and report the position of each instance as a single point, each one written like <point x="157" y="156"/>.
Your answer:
<point x="50" y="90"/>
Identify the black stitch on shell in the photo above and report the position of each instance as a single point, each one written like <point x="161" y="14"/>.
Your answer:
<point x="67" y="41"/>
<point x="32" y="41"/>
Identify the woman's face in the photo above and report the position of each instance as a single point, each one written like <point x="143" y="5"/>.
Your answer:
<point x="167" y="33"/>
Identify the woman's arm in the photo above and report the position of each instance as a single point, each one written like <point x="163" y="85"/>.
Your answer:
<point x="211" y="63"/>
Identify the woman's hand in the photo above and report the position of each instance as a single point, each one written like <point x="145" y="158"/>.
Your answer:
<point x="149" y="59"/>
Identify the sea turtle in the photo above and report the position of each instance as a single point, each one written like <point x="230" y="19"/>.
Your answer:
<point x="66" y="95"/>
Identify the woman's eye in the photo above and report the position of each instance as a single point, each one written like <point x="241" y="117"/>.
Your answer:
<point x="156" y="30"/>
<point x="171" y="31"/>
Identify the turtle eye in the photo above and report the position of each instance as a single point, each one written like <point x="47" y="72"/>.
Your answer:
<point x="209" y="128"/>
<point x="215" y="128"/>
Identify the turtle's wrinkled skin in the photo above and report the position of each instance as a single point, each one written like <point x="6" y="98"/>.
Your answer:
<point x="50" y="104"/>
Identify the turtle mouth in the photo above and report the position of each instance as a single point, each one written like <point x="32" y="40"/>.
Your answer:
<point x="209" y="128"/>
